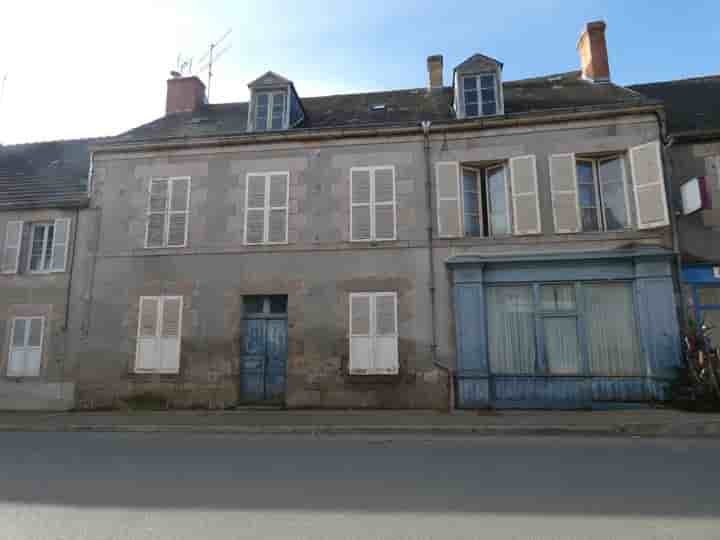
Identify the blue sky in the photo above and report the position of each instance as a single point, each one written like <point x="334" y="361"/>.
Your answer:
<point x="77" y="69"/>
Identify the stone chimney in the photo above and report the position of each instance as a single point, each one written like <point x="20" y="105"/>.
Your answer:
<point x="435" y="71"/>
<point x="184" y="94"/>
<point x="593" y="52"/>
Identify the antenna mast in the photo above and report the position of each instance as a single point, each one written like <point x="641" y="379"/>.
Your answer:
<point x="211" y="56"/>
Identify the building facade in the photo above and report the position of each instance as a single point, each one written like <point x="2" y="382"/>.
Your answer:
<point x="482" y="244"/>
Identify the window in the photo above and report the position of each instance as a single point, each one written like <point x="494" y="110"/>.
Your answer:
<point x="372" y="203"/>
<point x="25" y="347"/>
<point x="270" y="110"/>
<point x="48" y="246"/>
<point x="485" y="201"/>
<point x="373" y="333"/>
<point x="168" y="212"/>
<point x="601" y="194"/>
<point x="480" y="94"/>
<point x="536" y="329"/>
<point x="159" y="334"/>
<point x="266" y="208"/>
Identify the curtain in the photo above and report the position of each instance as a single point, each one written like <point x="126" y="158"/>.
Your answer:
<point x="511" y="330"/>
<point x="612" y="336"/>
<point x="562" y="352"/>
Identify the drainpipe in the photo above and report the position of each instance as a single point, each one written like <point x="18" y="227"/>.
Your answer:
<point x="425" y="124"/>
<point x="667" y="143"/>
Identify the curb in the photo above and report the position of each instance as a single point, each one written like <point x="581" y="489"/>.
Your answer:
<point x="710" y="431"/>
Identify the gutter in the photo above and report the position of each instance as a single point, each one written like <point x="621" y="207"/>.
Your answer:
<point x="376" y="130"/>
<point x="431" y="265"/>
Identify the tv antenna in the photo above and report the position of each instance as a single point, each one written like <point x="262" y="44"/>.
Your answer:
<point x="183" y="66"/>
<point x="210" y="57"/>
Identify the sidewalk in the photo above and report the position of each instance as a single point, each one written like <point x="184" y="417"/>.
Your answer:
<point x="642" y="422"/>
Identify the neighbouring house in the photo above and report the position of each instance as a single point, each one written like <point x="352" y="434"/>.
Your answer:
<point x="44" y="194"/>
<point x="480" y="244"/>
<point x="692" y="107"/>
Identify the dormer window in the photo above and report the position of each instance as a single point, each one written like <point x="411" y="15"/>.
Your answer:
<point x="479" y="94"/>
<point x="478" y="87"/>
<point x="270" y="110"/>
<point x="274" y="104"/>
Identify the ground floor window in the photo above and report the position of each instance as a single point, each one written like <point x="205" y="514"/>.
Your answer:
<point x="159" y="334"/>
<point x="25" y="347"/>
<point x="707" y="302"/>
<point x="373" y="333"/>
<point x="563" y="329"/>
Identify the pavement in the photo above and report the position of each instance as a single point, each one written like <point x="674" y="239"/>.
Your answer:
<point x="639" y="422"/>
<point x="162" y="486"/>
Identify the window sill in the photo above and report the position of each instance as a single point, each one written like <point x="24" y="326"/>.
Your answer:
<point x="372" y="378"/>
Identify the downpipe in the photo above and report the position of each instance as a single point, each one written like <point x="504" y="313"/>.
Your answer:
<point x="425" y="125"/>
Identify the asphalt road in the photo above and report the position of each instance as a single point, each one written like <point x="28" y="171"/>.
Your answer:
<point x="79" y="486"/>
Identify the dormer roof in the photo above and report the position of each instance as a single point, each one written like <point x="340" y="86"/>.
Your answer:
<point x="269" y="79"/>
<point x="479" y="62"/>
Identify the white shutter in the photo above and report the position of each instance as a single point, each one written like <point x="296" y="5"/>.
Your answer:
<point x="157" y="209"/>
<point x="278" y="208"/>
<point x="649" y="186"/>
<point x="60" y="245"/>
<point x="178" y="212"/>
<point x="360" y="218"/>
<point x="526" y="208"/>
<point x="255" y="209"/>
<point x="447" y="179"/>
<point x="361" y="341"/>
<point x="171" y="334"/>
<point x="563" y="182"/>
<point x="11" y="247"/>
<point x="147" y="355"/>
<point x="384" y="203"/>
<point x="385" y="357"/>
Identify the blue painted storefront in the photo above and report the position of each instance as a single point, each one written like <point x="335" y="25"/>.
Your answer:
<point x="646" y="273"/>
<point x="701" y="280"/>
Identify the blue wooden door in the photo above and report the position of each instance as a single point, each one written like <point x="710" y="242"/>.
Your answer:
<point x="263" y="360"/>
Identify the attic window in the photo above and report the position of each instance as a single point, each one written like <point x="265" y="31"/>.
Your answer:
<point x="377" y="107"/>
<point x="480" y="94"/>
<point x="269" y="110"/>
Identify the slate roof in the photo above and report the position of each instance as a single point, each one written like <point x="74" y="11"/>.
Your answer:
<point x="401" y="107"/>
<point x="692" y="105"/>
<point x="44" y="175"/>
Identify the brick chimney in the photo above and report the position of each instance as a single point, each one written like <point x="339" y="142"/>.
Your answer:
<point x="184" y="94"/>
<point x="435" y="71"/>
<point x="592" y="49"/>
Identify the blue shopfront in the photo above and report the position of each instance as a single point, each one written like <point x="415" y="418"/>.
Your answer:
<point x="564" y="330"/>
<point x="702" y="283"/>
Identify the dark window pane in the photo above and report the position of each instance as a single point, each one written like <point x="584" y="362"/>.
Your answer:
<point x="471" y="97"/>
<point x="487" y="81"/>
<point x="471" y="109"/>
<point x="590" y="219"/>
<point x="253" y="304"/>
<point x="48" y="246"/>
<point x="586" y="194"/>
<point x="488" y="94"/>
<point x="278" y="303"/>
<point x="472" y="225"/>
<point x="584" y="172"/>
<point x="469" y="83"/>
<point x="489" y="108"/>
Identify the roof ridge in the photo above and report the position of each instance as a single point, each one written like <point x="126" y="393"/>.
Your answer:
<point x="686" y="79"/>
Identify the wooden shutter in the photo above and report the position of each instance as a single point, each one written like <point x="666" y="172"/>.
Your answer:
<point x="60" y="245"/>
<point x="178" y="212"/>
<point x="11" y="247"/>
<point x="147" y="357"/>
<point x="361" y="341"/>
<point x="360" y="219"/>
<point x="563" y="182"/>
<point x="384" y="203"/>
<point x="170" y="334"/>
<point x="278" y="211"/>
<point x="447" y="179"/>
<point x="255" y="209"/>
<point x="649" y="186"/>
<point x="157" y="209"/>
<point x="523" y="181"/>
<point x="385" y="355"/>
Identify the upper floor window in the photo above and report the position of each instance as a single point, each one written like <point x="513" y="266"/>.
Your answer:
<point x="601" y="194"/>
<point x="372" y="203"/>
<point x="47" y="246"/>
<point x="270" y="110"/>
<point x="266" y="208"/>
<point x="486" y="208"/>
<point x="168" y="211"/>
<point x="480" y="94"/>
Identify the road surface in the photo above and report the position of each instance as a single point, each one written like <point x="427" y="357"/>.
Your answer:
<point x="80" y="486"/>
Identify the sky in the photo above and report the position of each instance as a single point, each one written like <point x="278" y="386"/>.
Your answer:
<point x="78" y="69"/>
